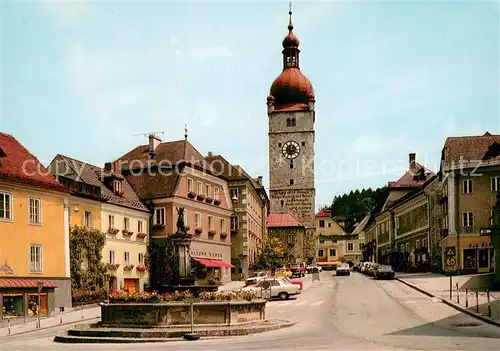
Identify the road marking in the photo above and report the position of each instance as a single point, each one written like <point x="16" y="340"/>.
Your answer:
<point x="317" y="303"/>
<point x="300" y="303"/>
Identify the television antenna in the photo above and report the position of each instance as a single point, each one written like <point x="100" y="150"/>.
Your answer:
<point x="149" y="134"/>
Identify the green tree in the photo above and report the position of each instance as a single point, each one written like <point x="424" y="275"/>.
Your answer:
<point x="85" y="250"/>
<point x="272" y="255"/>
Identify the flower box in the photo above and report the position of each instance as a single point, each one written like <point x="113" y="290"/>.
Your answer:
<point x="119" y="193"/>
<point x="142" y="268"/>
<point x="217" y="202"/>
<point x="127" y="232"/>
<point x="158" y="226"/>
<point x="209" y="199"/>
<point x="198" y="231"/>
<point x="128" y="267"/>
<point x="212" y="232"/>
<point x="112" y="266"/>
<point x="113" y="231"/>
<point x="201" y="197"/>
<point x="223" y="234"/>
<point x="141" y="235"/>
<point x="191" y="194"/>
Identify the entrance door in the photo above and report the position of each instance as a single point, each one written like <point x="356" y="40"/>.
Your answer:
<point x="130" y="285"/>
<point x="113" y="283"/>
<point x="483" y="260"/>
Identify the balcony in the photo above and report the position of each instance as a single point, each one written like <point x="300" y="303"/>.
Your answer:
<point x="470" y="230"/>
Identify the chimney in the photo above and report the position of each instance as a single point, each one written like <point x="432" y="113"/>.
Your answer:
<point x="259" y="180"/>
<point x="108" y="167"/>
<point x="154" y="141"/>
<point x="412" y="159"/>
<point x="210" y="154"/>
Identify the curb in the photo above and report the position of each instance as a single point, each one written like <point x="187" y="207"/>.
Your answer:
<point x="49" y="327"/>
<point x="459" y="308"/>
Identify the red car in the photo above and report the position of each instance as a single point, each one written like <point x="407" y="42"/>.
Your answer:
<point x="295" y="282"/>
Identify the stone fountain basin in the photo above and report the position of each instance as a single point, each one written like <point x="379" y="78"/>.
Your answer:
<point x="178" y="314"/>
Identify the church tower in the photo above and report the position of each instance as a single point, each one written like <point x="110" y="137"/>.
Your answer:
<point x="290" y="108"/>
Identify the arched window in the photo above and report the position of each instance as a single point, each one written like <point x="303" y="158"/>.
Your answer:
<point x="288" y="122"/>
<point x="293" y="122"/>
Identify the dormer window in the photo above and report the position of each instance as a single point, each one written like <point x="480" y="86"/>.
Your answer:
<point x="117" y="187"/>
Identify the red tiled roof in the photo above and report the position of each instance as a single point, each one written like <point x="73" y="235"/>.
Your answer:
<point x="25" y="283"/>
<point x="324" y="213"/>
<point x="18" y="165"/>
<point x="468" y="150"/>
<point x="409" y="179"/>
<point x="282" y="220"/>
<point x="222" y="167"/>
<point x="93" y="175"/>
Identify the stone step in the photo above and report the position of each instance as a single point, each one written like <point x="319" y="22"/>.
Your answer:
<point x="68" y="339"/>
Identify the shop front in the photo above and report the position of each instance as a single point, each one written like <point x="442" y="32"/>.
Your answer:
<point x="475" y="254"/>
<point x="211" y="262"/>
<point x="25" y="298"/>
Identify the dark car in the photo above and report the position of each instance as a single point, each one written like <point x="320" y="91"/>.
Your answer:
<point x="383" y="272"/>
<point x="356" y="267"/>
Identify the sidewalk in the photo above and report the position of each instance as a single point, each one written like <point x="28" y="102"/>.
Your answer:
<point x="74" y="316"/>
<point x="439" y="285"/>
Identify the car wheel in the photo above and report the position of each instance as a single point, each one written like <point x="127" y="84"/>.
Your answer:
<point x="283" y="296"/>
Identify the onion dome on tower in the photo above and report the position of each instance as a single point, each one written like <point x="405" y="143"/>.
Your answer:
<point x="291" y="91"/>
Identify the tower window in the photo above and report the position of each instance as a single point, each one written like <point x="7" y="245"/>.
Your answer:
<point x="288" y="122"/>
<point x="303" y="143"/>
<point x="282" y="203"/>
<point x="291" y="164"/>
<point x="291" y="181"/>
<point x="279" y="144"/>
<point x="293" y="122"/>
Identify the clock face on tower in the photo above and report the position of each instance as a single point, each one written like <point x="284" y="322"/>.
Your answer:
<point x="291" y="150"/>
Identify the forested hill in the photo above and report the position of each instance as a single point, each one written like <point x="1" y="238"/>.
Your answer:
<point x="353" y="207"/>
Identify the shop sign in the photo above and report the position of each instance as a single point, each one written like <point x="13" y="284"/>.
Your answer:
<point x="205" y="254"/>
<point x="6" y="269"/>
<point x="485" y="231"/>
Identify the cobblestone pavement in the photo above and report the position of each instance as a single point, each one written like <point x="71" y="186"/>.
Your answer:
<point x="338" y="313"/>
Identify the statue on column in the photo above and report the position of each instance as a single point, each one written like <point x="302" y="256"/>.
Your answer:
<point x="181" y="228"/>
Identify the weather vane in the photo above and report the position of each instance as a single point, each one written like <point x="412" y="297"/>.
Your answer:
<point x="185" y="132"/>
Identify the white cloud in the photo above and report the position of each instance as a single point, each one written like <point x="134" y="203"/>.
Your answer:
<point x="66" y="11"/>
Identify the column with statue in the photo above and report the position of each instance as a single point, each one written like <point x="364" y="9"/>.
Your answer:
<point x="495" y="240"/>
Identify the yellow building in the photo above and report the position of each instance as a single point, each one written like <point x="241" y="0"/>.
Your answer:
<point x="104" y="200"/>
<point x="34" y="235"/>
<point x="330" y="243"/>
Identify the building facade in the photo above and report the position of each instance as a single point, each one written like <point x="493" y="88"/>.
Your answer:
<point x="291" y="115"/>
<point x="170" y="175"/>
<point x="248" y="223"/>
<point x="290" y="232"/>
<point x="330" y="246"/>
<point x="103" y="199"/>
<point x="34" y="235"/>
<point x="470" y="174"/>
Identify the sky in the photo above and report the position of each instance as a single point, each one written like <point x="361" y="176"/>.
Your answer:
<point x="83" y="78"/>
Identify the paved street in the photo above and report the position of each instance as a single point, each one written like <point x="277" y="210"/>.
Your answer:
<point x="339" y="313"/>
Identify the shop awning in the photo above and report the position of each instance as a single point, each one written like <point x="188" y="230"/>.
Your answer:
<point x="25" y="283"/>
<point x="211" y="263"/>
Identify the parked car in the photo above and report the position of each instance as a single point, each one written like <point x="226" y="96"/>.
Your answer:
<point x="343" y="269"/>
<point x="356" y="267"/>
<point x="283" y="272"/>
<point x="298" y="269"/>
<point x="383" y="271"/>
<point x="364" y="266"/>
<point x="280" y="288"/>
<point x="254" y="280"/>
<point x="371" y="268"/>
<point x="295" y="281"/>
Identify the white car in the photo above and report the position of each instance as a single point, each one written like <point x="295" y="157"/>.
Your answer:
<point x="279" y="287"/>
<point x="256" y="279"/>
<point x="309" y="269"/>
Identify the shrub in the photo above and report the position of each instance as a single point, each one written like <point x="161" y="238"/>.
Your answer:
<point x="85" y="297"/>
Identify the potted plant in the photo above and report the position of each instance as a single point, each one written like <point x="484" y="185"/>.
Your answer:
<point x="113" y="231"/>
<point x="119" y="193"/>
<point x="191" y="194"/>
<point x="112" y="266"/>
<point x="211" y="232"/>
<point x="198" y="231"/>
<point x="209" y="199"/>
<point x="223" y="234"/>
<point x="141" y="268"/>
<point x="217" y="202"/>
<point x="128" y="267"/>
<point x="141" y="235"/>
<point x="127" y="232"/>
<point x="201" y="197"/>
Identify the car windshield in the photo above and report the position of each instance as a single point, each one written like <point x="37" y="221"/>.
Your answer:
<point x="344" y="266"/>
<point x="385" y="268"/>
